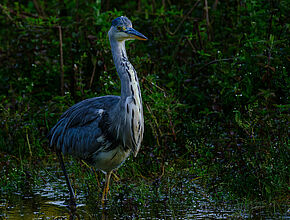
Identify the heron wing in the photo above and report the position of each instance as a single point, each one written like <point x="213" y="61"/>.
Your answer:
<point x="82" y="129"/>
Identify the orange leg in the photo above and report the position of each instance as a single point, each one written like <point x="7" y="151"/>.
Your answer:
<point x="106" y="188"/>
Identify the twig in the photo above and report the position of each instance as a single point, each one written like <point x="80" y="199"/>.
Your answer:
<point x="207" y="19"/>
<point x="171" y="124"/>
<point x="23" y="14"/>
<point x="212" y="62"/>
<point x="28" y="143"/>
<point x="163" y="4"/>
<point x="116" y="178"/>
<point x="196" y="178"/>
<point x="139" y="5"/>
<point x="189" y="42"/>
<point x="155" y="120"/>
<point x="96" y="176"/>
<point x="61" y="62"/>
<point x="163" y="15"/>
<point x="93" y="74"/>
<point x="153" y="5"/>
<point x="163" y="171"/>
<point x="38" y="9"/>
<point x="215" y="5"/>
<point x="199" y="36"/>
<point x="45" y="182"/>
<point x="6" y="11"/>
<point x="182" y="21"/>
<point x="94" y="171"/>
<point x="153" y="84"/>
<point x="175" y="51"/>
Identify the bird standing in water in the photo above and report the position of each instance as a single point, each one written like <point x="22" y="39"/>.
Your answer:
<point x="103" y="131"/>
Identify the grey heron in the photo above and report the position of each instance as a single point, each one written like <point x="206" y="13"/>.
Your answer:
<point x="103" y="131"/>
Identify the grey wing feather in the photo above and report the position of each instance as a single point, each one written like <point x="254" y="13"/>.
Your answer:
<point x="80" y="130"/>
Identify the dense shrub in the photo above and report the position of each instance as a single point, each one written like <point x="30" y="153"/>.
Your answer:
<point x="214" y="79"/>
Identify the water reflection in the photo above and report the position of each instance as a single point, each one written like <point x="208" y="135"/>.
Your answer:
<point x="181" y="199"/>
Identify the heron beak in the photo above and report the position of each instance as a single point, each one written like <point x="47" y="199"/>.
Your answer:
<point x="135" y="34"/>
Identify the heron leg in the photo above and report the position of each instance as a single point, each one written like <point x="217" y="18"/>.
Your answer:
<point x="71" y="192"/>
<point x="106" y="188"/>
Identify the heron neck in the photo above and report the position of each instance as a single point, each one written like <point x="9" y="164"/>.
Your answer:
<point x="128" y="115"/>
<point x="126" y="72"/>
<point x="118" y="51"/>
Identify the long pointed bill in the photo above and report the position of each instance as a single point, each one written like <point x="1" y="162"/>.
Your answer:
<point x="135" y="34"/>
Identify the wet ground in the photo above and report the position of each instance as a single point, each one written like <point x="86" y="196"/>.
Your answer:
<point x="181" y="198"/>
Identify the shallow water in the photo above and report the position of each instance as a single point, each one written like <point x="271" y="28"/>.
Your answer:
<point x="183" y="200"/>
<point x="41" y="207"/>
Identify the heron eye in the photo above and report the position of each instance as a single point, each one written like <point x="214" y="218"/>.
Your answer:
<point x="119" y="28"/>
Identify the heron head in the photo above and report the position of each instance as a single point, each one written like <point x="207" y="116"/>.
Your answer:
<point x="122" y="29"/>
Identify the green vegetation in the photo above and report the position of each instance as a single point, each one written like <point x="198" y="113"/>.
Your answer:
<point x="214" y="80"/>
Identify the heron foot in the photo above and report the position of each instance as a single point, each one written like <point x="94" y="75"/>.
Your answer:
<point x="72" y="205"/>
<point x="106" y="189"/>
<point x="104" y="203"/>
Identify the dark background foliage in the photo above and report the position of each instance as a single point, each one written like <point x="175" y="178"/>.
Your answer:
<point x="214" y="79"/>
